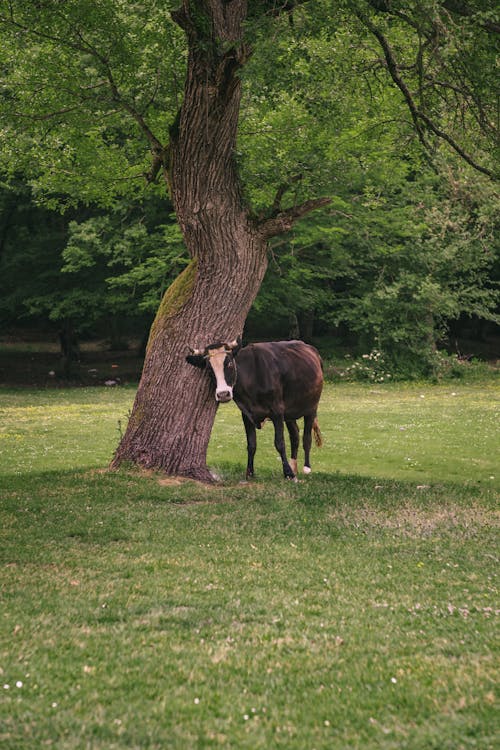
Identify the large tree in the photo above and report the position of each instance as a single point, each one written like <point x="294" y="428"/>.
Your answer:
<point x="108" y="70"/>
<point x="173" y="414"/>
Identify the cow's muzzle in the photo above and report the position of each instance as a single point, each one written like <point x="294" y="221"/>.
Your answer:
<point x="224" y="396"/>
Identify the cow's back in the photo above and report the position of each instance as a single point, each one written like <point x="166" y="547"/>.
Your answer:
<point x="278" y="377"/>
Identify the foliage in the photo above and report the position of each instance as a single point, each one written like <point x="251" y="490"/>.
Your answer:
<point x="394" y="263"/>
<point x="87" y="268"/>
<point x="140" y="255"/>
<point x="440" y="56"/>
<point x="79" y="81"/>
<point x="427" y="256"/>
<point x="89" y="89"/>
<point x="32" y="238"/>
<point x="377" y="367"/>
<point x="401" y="251"/>
<point x="348" y="608"/>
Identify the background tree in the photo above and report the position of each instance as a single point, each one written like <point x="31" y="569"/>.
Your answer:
<point x="92" y="273"/>
<point x="135" y="251"/>
<point x="407" y="256"/>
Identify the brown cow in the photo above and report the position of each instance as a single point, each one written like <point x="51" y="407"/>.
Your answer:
<point x="277" y="380"/>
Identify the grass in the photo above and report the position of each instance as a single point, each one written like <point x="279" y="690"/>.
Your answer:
<point x="355" y="609"/>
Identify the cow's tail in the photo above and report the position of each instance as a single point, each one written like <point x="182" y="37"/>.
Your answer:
<point x="318" y="439"/>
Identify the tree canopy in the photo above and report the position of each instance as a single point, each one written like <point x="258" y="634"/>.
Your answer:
<point x="359" y="106"/>
<point x="90" y="89"/>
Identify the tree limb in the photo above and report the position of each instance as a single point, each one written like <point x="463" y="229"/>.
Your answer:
<point x="284" y="220"/>
<point x="394" y="73"/>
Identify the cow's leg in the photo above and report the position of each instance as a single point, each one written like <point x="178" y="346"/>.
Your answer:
<point x="293" y="431"/>
<point x="307" y="440"/>
<point x="279" y="442"/>
<point x="251" y="444"/>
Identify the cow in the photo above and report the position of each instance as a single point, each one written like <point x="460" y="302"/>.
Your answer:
<point x="276" y="380"/>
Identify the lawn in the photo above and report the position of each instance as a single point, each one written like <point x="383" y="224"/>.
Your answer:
<point x="355" y="609"/>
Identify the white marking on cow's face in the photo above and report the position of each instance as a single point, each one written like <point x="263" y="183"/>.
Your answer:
<point x="216" y="359"/>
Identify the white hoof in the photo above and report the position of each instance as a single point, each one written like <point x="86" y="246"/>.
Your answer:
<point x="307" y="469"/>
<point x="293" y="465"/>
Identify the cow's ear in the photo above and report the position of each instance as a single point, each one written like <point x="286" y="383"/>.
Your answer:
<point x="197" y="360"/>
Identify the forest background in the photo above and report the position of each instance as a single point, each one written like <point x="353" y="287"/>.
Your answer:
<point x="403" y="262"/>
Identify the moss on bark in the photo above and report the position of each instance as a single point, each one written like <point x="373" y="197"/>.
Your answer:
<point x="173" y="301"/>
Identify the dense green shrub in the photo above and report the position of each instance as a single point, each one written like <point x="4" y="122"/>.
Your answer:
<point x="379" y="367"/>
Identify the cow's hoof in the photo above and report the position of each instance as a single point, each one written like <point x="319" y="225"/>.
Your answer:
<point x="307" y="469"/>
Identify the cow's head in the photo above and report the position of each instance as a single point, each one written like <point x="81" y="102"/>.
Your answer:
<point x="219" y="358"/>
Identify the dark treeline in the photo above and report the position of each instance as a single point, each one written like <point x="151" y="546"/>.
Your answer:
<point x="408" y="270"/>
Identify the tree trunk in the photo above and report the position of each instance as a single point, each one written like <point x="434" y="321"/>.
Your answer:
<point x="306" y="325"/>
<point x="69" y="348"/>
<point x="174" y="409"/>
<point x="175" y="406"/>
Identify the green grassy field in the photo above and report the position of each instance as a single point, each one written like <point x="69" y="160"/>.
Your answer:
<point x="357" y="608"/>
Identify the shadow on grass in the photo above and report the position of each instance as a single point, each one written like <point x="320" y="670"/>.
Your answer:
<point x="57" y="516"/>
<point x="55" y="488"/>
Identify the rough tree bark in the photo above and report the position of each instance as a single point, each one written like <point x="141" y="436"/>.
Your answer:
<point x="174" y="410"/>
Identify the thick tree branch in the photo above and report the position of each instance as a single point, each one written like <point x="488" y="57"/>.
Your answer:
<point x="284" y="220"/>
<point x="394" y="73"/>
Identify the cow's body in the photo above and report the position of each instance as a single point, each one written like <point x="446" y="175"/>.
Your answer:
<point x="280" y="381"/>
